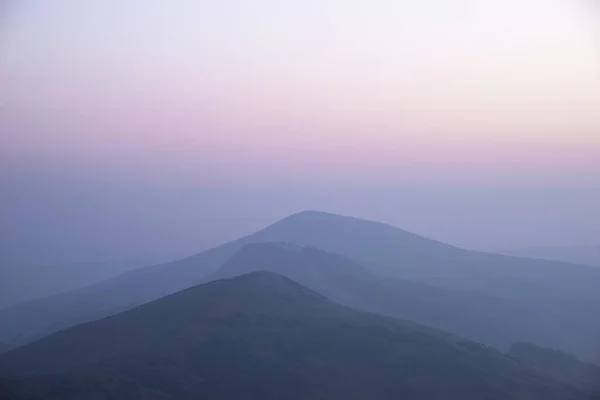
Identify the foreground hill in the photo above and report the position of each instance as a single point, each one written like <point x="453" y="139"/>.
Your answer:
<point x="263" y="336"/>
<point x="559" y="365"/>
<point x="491" y="320"/>
<point x="570" y="291"/>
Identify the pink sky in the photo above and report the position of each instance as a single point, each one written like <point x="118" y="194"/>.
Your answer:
<point x="380" y="90"/>
<point x="162" y="126"/>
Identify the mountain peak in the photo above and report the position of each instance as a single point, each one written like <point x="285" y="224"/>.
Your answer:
<point x="220" y="302"/>
<point x="270" y="282"/>
<point x="247" y="337"/>
<point x="289" y="260"/>
<point x="315" y="214"/>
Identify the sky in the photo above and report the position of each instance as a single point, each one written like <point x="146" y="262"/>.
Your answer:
<point x="180" y="124"/>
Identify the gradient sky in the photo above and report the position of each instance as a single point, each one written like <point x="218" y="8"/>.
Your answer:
<point x="425" y="99"/>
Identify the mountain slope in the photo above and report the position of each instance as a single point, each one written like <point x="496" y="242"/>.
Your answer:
<point x="25" y="322"/>
<point x="587" y="255"/>
<point x="22" y="282"/>
<point x="263" y="336"/>
<point x="565" y="289"/>
<point x="394" y="252"/>
<point x="561" y="366"/>
<point x="491" y="320"/>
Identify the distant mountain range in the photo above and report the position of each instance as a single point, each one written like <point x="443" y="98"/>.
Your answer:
<point x="550" y="303"/>
<point x="22" y="282"/>
<point x="588" y="255"/>
<point x="263" y="336"/>
<point x="492" y="320"/>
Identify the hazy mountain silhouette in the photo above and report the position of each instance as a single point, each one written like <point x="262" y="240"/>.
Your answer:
<point x="491" y="320"/>
<point x="588" y="255"/>
<point x="393" y="252"/>
<point x="561" y="366"/>
<point x="21" y="282"/>
<point x="569" y="291"/>
<point x="263" y="336"/>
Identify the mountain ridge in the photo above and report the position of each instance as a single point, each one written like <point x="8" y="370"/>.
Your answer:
<point x="262" y="335"/>
<point x="562" y="288"/>
<point x="583" y="255"/>
<point x="491" y="320"/>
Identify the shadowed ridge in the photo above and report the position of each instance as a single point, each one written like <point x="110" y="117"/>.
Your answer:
<point x="263" y="336"/>
<point x="491" y="320"/>
<point x="289" y="260"/>
<point x="268" y="281"/>
<point x="561" y="366"/>
<point x="254" y="293"/>
<point x="569" y="292"/>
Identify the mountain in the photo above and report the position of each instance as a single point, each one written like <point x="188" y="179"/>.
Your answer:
<point x="587" y="255"/>
<point x="391" y="251"/>
<point x="491" y="320"/>
<point x="263" y="336"/>
<point x="560" y="365"/>
<point x="570" y="291"/>
<point x="22" y="282"/>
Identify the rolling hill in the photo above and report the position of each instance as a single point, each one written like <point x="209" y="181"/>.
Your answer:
<point x="263" y="336"/>
<point x="491" y="320"/>
<point x="21" y="282"/>
<point x="587" y="255"/>
<point x="559" y="365"/>
<point x="569" y="291"/>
